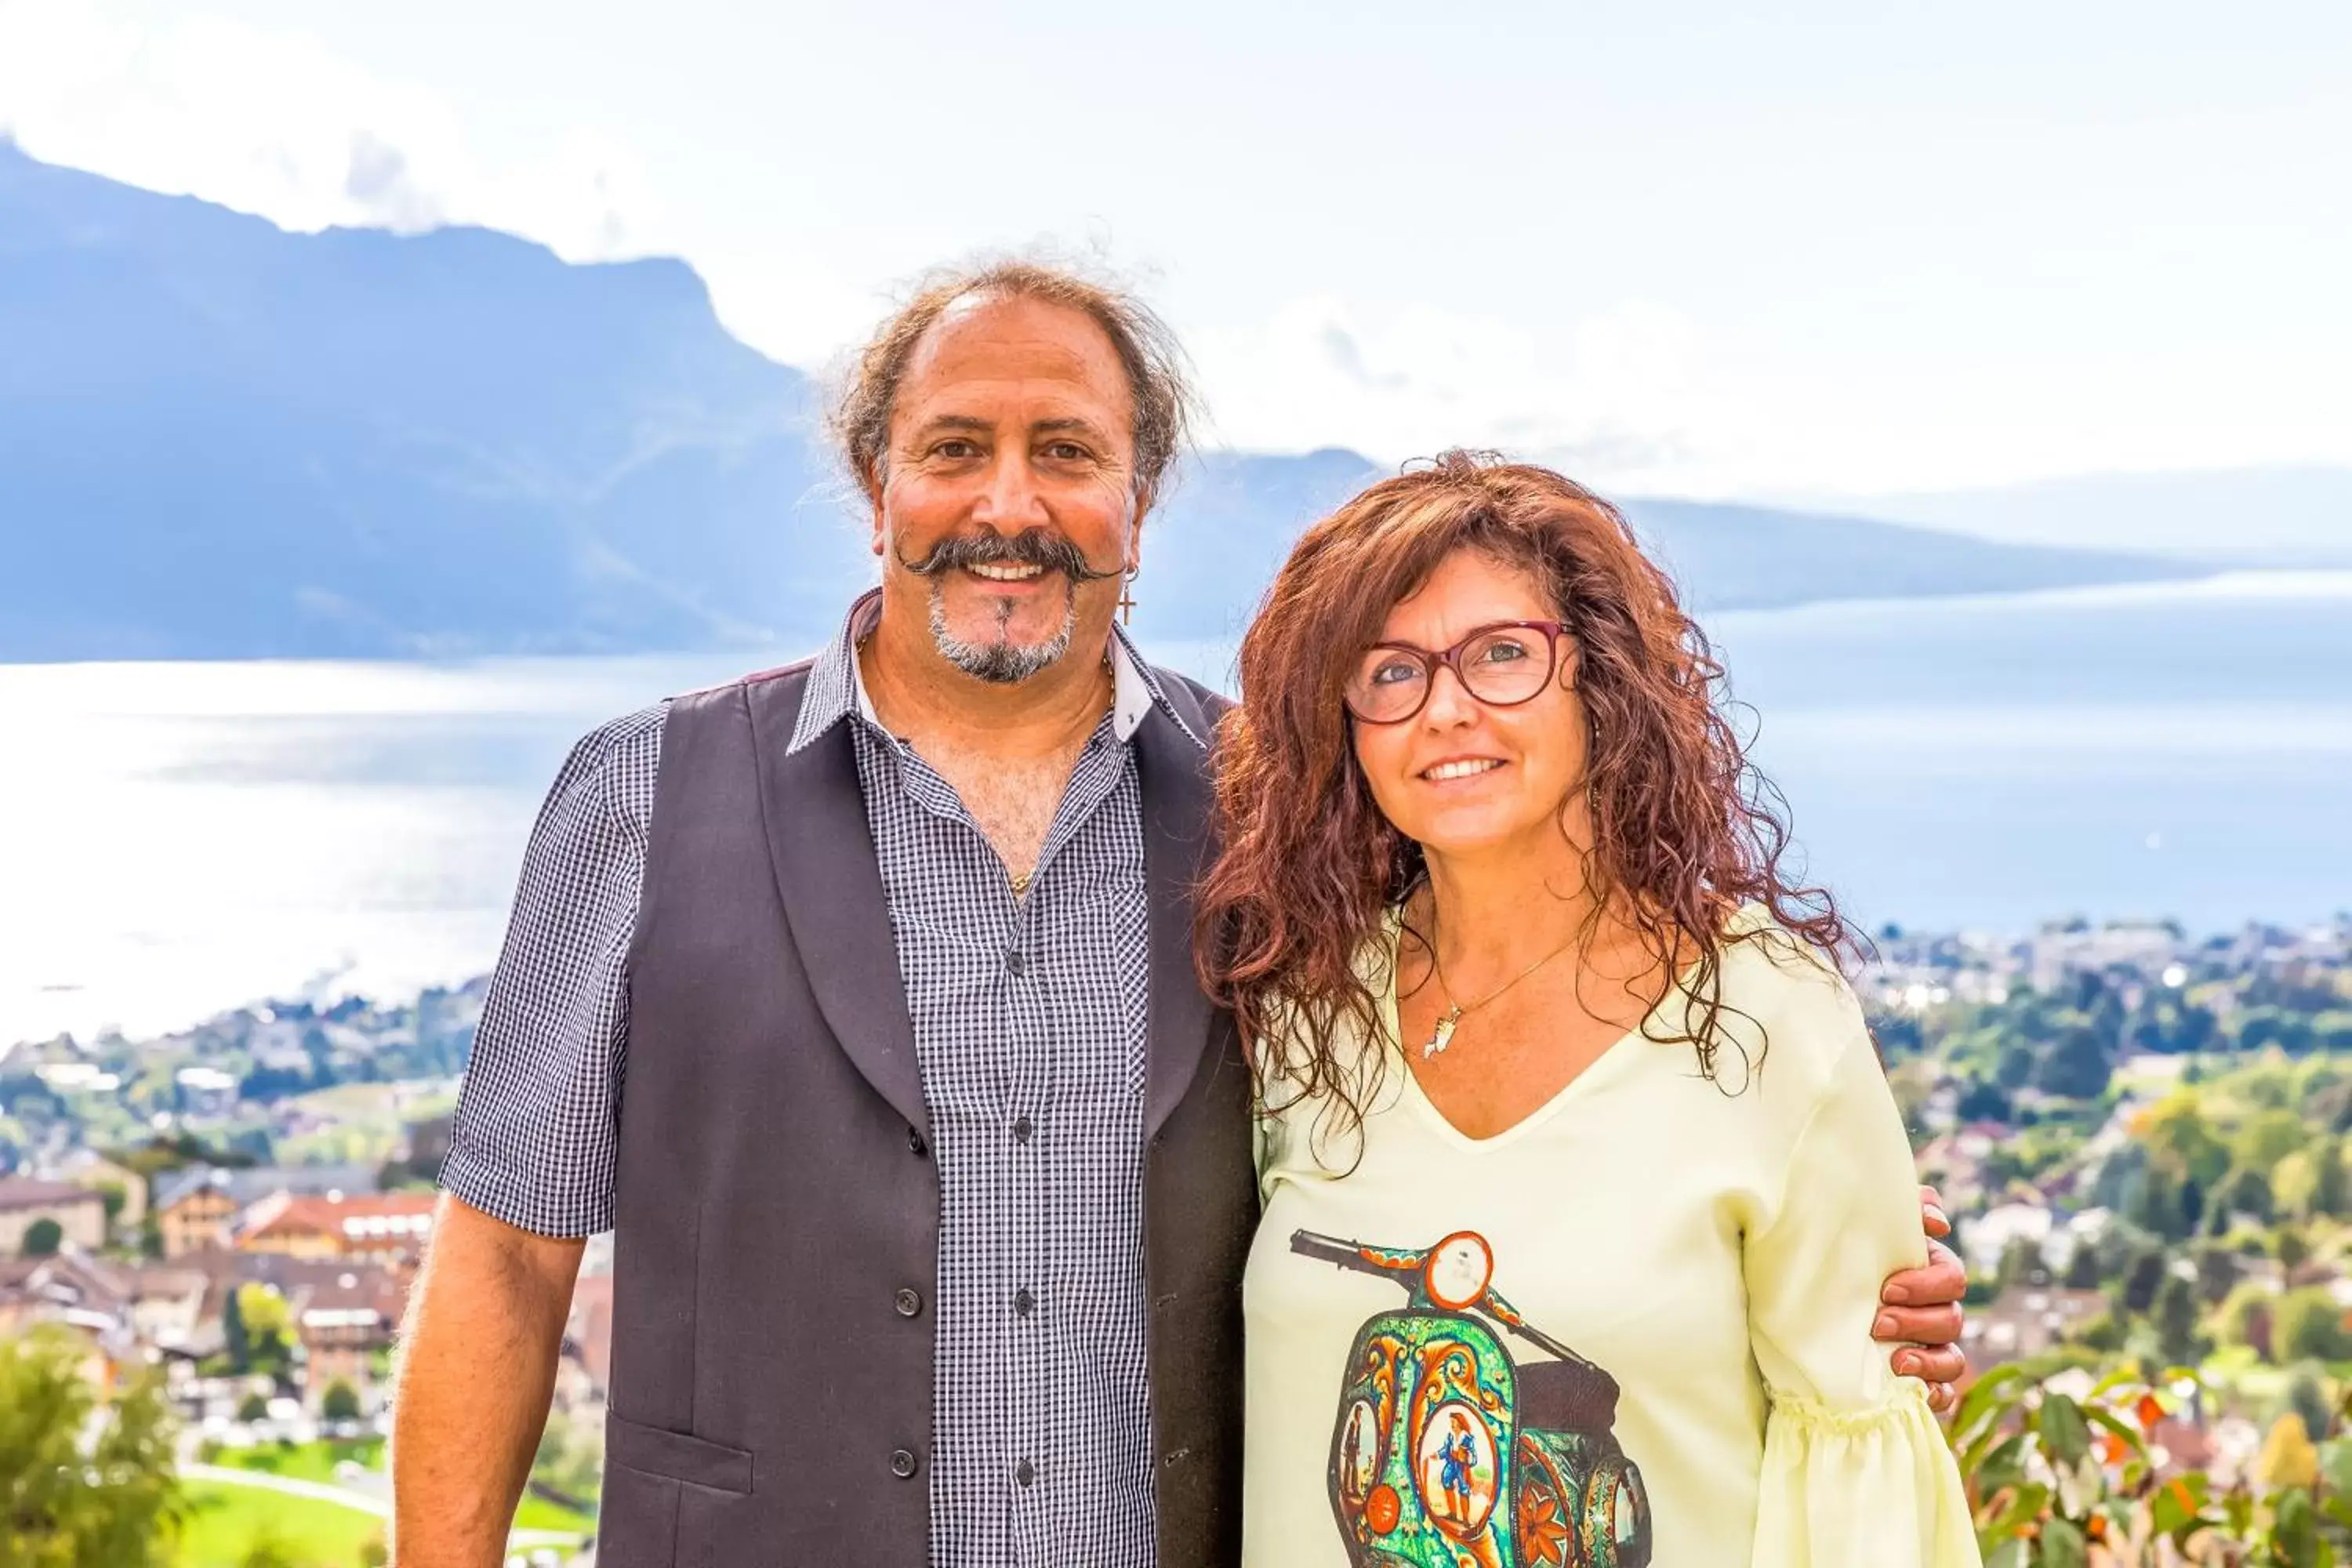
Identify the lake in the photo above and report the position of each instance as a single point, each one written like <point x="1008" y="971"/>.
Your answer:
<point x="193" y="837"/>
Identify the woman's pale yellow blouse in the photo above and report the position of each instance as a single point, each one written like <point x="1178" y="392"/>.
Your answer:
<point x="1715" y="1256"/>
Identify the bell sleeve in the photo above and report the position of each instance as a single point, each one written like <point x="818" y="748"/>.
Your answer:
<point x="1857" y="1473"/>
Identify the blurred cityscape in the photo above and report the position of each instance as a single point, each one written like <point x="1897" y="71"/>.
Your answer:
<point x="2140" y="1136"/>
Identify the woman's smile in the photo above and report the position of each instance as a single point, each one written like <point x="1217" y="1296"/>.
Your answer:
<point x="1460" y="770"/>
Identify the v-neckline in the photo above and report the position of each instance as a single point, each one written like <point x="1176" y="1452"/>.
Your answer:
<point x="1609" y="1060"/>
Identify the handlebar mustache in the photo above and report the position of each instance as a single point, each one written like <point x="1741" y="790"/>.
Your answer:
<point x="1030" y="547"/>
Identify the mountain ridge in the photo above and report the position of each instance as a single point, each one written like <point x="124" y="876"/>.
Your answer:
<point x="2282" y="513"/>
<point x="221" y="439"/>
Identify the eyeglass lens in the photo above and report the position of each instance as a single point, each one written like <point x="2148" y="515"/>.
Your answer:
<point x="1503" y="665"/>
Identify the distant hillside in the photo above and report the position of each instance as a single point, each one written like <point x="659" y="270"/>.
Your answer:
<point x="219" y="439"/>
<point x="2275" y="514"/>
<point x="1751" y="557"/>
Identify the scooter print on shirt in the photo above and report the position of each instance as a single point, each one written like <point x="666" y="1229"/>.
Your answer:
<point x="1448" y="1454"/>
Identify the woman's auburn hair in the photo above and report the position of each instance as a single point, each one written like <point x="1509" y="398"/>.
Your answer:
<point x="1687" y="832"/>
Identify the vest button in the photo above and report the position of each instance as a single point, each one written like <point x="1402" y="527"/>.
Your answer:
<point x="908" y="1302"/>
<point x="1025" y="1473"/>
<point x="1014" y="961"/>
<point x="915" y="1142"/>
<point x="902" y="1463"/>
<point x="1022" y="1129"/>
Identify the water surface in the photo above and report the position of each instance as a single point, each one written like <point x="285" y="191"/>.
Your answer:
<point x="189" y="836"/>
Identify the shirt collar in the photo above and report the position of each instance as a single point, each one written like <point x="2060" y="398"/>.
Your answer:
<point x="836" y="686"/>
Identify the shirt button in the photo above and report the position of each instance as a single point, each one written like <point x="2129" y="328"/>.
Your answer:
<point x="1022" y="1129"/>
<point x="902" y="1463"/>
<point x="1025" y="1473"/>
<point x="1023" y="1302"/>
<point x="1014" y="961"/>
<point x="908" y="1302"/>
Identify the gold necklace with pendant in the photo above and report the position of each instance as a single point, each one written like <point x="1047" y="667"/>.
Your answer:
<point x="1443" y="1036"/>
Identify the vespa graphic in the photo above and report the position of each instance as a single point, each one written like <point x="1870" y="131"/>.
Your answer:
<point x="1448" y="1454"/>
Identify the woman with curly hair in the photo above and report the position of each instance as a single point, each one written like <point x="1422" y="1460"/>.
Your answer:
<point x="1580" y="1173"/>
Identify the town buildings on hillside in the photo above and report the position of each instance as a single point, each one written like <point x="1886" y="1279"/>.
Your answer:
<point x="78" y="1212"/>
<point x="311" y="1260"/>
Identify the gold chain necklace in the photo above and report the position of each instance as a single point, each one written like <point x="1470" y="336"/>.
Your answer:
<point x="1443" y="1035"/>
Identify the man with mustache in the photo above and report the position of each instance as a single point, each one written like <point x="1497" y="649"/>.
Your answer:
<point x="932" y="1177"/>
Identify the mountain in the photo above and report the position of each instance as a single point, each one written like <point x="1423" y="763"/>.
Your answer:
<point x="1751" y="557"/>
<point x="2265" y="514"/>
<point x="219" y="439"/>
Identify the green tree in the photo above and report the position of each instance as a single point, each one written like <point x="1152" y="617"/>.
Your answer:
<point x="340" y="1401"/>
<point x="43" y="1238"/>
<point x="2077" y="1067"/>
<point x="2293" y="1250"/>
<point x="2309" y="1326"/>
<point x="2217" y="1273"/>
<point x="2260" y="1027"/>
<point x="2217" y="1223"/>
<point x="2308" y="1396"/>
<point x="269" y="1328"/>
<point x="74" y="1499"/>
<point x="2143" y="1278"/>
<point x="2247" y="1318"/>
<point x="1983" y="1100"/>
<point x="2176" y="1321"/>
<point x="2331" y="1192"/>
<point x="2294" y="1181"/>
<point x="2268" y="1137"/>
<point x="2177" y="1127"/>
<point x="2082" y="1269"/>
<point x="254" y="1408"/>
<point x="235" y="1344"/>
<point x="2245" y="1191"/>
<point x="2160" y="1207"/>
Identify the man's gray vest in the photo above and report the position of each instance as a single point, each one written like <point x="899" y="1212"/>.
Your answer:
<point x="778" y="1209"/>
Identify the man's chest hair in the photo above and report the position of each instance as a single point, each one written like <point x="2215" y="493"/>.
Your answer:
<point x="1014" y="801"/>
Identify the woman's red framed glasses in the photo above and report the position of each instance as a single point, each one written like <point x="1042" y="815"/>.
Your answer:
<point x="1502" y="664"/>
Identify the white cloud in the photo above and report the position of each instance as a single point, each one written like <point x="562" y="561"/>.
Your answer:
<point x="790" y="308"/>
<point x="1609" y="394"/>
<point x="1907" y="344"/>
<point x="277" y="124"/>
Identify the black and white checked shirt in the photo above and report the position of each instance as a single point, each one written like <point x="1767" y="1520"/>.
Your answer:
<point x="1029" y="1019"/>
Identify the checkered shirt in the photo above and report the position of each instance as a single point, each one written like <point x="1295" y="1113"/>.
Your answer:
<point x="1029" y="1017"/>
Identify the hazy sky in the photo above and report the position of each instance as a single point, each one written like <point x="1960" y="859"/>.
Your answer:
<point x="1705" y="248"/>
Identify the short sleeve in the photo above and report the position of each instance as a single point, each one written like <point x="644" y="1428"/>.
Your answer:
<point x="532" y="1141"/>
<point x="1856" y="1471"/>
